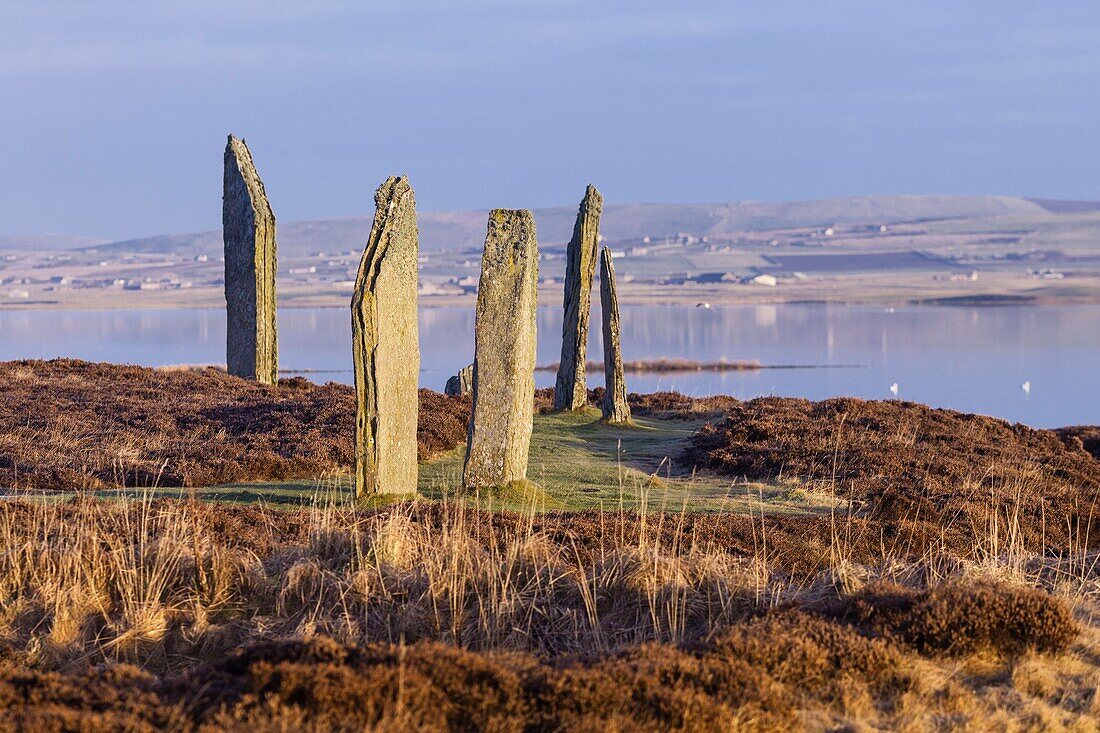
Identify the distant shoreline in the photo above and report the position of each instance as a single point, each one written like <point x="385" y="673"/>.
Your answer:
<point x="680" y="366"/>
<point x="552" y="299"/>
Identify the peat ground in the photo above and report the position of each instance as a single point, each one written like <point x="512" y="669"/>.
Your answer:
<point x="68" y="424"/>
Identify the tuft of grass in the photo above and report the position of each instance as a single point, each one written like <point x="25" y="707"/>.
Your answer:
<point x="521" y="493"/>
<point x="373" y="501"/>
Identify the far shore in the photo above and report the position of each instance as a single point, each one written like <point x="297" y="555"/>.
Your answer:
<point x="880" y="291"/>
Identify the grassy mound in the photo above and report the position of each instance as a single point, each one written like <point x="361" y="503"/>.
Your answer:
<point x="74" y="424"/>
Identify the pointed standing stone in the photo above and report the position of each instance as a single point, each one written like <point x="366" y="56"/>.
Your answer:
<point x="462" y="383"/>
<point x="615" y="408"/>
<point x="248" y="234"/>
<point x="385" y="346"/>
<point x="570" y="390"/>
<point x="499" y="436"/>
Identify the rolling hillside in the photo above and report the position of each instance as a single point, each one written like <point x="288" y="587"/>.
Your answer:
<point x="462" y="229"/>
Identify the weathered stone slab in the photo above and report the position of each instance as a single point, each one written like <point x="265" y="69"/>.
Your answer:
<point x="248" y="234"/>
<point x="499" y="436"/>
<point x="570" y="390"/>
<point x="615" y="408"/>
<point x="385" y="346"/>
<point x="461" y="383"/>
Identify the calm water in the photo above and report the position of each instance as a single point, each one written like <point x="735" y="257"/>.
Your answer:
<point x="972" y="359"/>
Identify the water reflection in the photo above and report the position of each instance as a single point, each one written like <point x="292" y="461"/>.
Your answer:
<point x="972" y="359"/>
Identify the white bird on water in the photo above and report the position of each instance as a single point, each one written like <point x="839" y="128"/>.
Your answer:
<point x="1026" y="386"/>
<point x="894" y="389"/>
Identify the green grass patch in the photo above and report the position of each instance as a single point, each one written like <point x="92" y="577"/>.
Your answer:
<point x="577" y="461"/>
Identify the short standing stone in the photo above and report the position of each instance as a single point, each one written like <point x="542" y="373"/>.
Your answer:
<point x="570" y="390"/>
<point x="462" y="383"/>
<point x="248" y="233"/>
<point x="499" y="436"/>
<point x="615" y="408"/>
<point x="385" y="346"/>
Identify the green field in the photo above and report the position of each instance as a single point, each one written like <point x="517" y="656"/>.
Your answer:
<point x="576" y="462"/>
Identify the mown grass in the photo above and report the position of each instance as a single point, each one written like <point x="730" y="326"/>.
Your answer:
<point x="581" y="462"/>
<point x="576" y="462"/>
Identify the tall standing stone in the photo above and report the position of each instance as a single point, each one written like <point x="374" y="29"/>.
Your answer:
<point x="570" y="390"/>
<point x="615" y="409"/>
<point x="248" y="234"/>
<point x="499" y="436"/>
<point x="385" y="346"/>
<point x="460" y="384"/>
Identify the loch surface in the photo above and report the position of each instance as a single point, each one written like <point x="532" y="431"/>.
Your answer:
<point x="975" y="359"/>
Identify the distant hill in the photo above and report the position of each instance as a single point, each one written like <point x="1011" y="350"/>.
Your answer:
<point x="41" y="242"/>
<point x="1061" y="206"/>
<point x="466" y="229"/>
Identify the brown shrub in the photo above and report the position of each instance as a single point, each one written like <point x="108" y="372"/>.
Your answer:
<point x="755" y="676"/>
<point x="97" y="701"/>
<point x="957" y="618"/>
<point x="811" y="653"/>
<point x="75" y="424"/>
<point x="675" y="406"/>
<point x="1086" y="437"/>
<point x="659" y="405"/>
<point x="338" y="687"/>
<point x="442" y="423"/>
<point x="658" y="688"/>
<point x="909" y="463"/>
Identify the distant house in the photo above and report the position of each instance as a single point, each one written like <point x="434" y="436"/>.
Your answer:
<point x="766" y="280"/>
<point x="142" y="285"/>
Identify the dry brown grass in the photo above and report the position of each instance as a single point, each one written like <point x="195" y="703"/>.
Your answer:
<point x="70" y="424"/>
<point x="435" y="617"/>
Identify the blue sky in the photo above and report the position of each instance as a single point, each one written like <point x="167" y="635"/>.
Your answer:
<point x="115" y="113"/>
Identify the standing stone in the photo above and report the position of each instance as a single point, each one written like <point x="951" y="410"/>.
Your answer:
<point x="616" y="411"/>
<point x="462" y="383"/>
<point x="499" y="436"/>
<point x="248" y="233"/>
<point x="385" y="346"/>
<point x="570" y="390"/>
